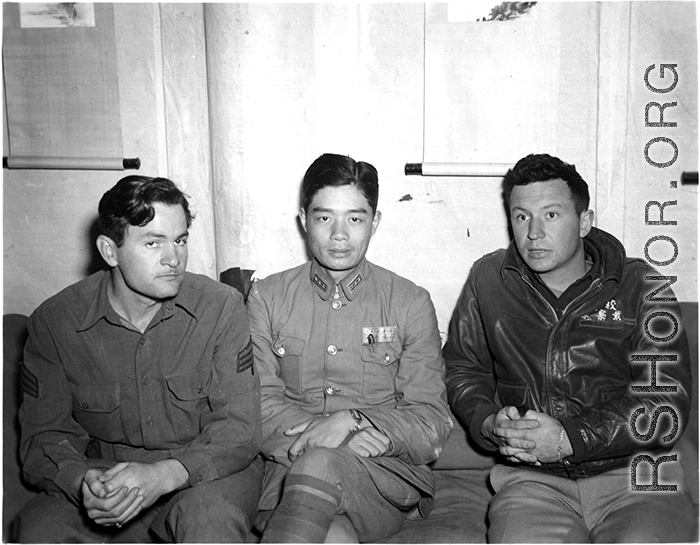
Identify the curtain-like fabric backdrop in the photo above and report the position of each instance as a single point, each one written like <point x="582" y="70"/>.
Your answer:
<point x="391" y="84"/>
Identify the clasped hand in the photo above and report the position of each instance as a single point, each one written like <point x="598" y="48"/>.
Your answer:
<point x="531" y="438"/>
<point x="116" y="495"/>
<point x="334" y="431"/>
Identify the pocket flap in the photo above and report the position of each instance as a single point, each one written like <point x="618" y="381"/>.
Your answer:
<point x="97" y="398"/>
<point x="188" y="386"/>
<point x="288" y="346"/>
<point x="381" y="353"/>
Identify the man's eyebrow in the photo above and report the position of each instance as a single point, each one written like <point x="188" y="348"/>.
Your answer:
<point x="550" y="205"/>
<point x="159" y="235"/>
<point x="329" y="210"/>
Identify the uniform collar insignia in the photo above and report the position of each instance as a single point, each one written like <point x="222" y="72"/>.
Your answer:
<point x="351" y="284"/>
<point x="320" y="281"/>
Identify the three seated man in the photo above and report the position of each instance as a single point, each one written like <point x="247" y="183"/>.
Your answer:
<point x="157" y="407"/>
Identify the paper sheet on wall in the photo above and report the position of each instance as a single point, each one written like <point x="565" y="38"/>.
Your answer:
<point x="513" y="84"/>
<point x="61" y="80"/>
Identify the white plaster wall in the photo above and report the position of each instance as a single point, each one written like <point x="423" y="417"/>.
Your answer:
<point x="663" y="35"/>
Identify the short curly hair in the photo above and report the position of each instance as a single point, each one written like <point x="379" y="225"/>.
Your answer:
<point x="542" y="168"/>
<point x="131" y="200"/>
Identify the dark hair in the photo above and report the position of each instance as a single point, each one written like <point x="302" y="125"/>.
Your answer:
<point x="543" y="168"/>
<point x="338" y="170"/>
<point x="130" y="202"/>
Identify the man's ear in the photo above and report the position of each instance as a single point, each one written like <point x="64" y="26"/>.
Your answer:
<point x="375" y="221"/>
<point x="586" y="222"/>
<point x="302" y="218"/>
<point x="108" y="250"/>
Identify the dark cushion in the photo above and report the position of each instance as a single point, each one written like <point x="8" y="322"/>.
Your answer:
<point x="459" y="512"/>
<point x="15" y="491"/>
<point x="461" y="452"/>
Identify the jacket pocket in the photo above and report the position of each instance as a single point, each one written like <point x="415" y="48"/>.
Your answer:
<point x="188" y="393"/>
<point x="613" y="392"/>
<point x="96" y="408"/>
<point x="381" y="365"/>
<point x="607" y="324"/>
<point x="515" y="393"/>
<point x="288" y="351"/>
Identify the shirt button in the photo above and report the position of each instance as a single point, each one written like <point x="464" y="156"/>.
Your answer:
<point x="149" y="421"/>
<point x="142" y="342"/>
<point x="281" y="351"/>
<point x="336" y="305"/>
<point x="144" y="381"/>
<point x="332" y="350"/>
<point x="85" y="405"/>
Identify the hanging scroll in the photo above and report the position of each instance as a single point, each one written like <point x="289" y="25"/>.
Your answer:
<point x="61" y="81"/>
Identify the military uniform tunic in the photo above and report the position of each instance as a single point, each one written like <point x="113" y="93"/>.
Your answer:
<point x="370" y="342"/>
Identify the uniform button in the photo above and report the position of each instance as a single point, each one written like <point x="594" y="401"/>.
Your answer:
<point x="387" y="358"/>
<point x="281" y="351"/>
<point x="332" y="350"/>
<point x="149" y="421"/>
<point x="144" y="381"/>
<point x="336" y="305"/>
<point x="85" y="405"/>
<point x="142" y="342"/>
<point x="332" y="390"/>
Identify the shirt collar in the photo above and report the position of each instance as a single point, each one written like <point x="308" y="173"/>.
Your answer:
<point x="102" y="308"/>
<point x="351" y="284"/>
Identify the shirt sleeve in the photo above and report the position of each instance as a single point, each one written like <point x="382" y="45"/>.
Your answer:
<point x="420" y="422"/>
<point x="52" y="444"/>
<point x="231" y="432"/>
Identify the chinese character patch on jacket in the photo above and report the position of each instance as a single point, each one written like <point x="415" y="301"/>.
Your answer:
<point x="609" y="313"/>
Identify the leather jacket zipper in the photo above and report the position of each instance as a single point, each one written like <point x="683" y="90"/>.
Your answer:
<point x="593" y="289"/>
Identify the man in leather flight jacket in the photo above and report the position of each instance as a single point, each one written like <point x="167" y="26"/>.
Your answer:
<point x="540" y="364"/>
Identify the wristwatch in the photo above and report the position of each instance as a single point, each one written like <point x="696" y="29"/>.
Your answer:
<point x="357" y="417"/>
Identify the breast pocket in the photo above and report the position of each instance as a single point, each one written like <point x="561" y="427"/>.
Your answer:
<point x="96" y="408"/>
<point x="188" y="393"/>
<point x="380" y="365"/>
<point x="288" y="351"/>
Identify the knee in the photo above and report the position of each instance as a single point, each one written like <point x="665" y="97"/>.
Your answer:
<point x="45" y="519"/>
<point x="651" y="522"/>
<point x="204" y="502"/>
<point x="507" y="498"/>
<point x="321" y="463"/>
<point x="202" y="515"/>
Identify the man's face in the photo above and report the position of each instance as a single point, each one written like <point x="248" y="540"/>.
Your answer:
<point x="339" y="225"/>
<point x="548" y="231"/>
<point x="153" y="258"/>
